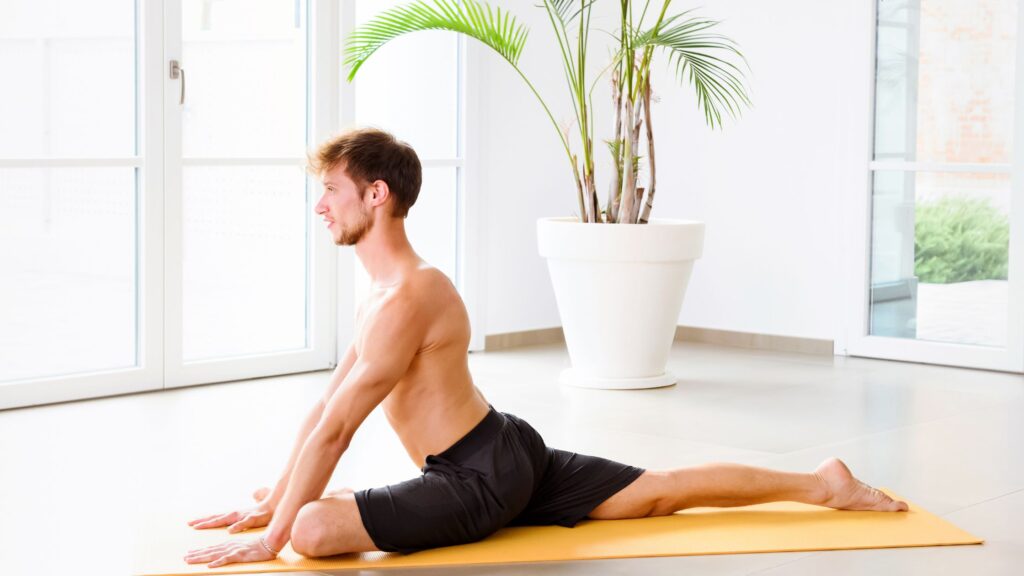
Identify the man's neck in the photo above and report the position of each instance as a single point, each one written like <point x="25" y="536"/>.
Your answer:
<point x="386" y="256"/>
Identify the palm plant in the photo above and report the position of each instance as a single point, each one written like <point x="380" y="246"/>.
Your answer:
<point x="698" y="55"/>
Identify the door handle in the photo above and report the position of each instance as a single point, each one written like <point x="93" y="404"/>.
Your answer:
<point x="176" y="71"/>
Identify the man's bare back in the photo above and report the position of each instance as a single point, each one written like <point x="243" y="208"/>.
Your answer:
<point x="435" y="403"/>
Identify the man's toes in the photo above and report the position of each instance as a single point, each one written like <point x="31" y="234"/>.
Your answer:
<point x="890" y="505"/>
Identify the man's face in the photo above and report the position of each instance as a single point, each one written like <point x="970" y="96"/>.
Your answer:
<point x="342" y="207"/>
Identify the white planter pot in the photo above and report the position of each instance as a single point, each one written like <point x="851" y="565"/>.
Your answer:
<point x="619" y="289"/>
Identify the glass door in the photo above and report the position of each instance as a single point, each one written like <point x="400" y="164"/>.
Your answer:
<point x="243" y="298"/>
<point x="156" y="225"/>
<point x="80" y="218"/>
<point x="943" y="283"/>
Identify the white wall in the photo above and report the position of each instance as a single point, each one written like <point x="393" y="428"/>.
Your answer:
<point x="768" y="186"/>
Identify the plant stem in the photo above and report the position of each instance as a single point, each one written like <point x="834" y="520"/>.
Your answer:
<point x="650" y="153"/>
<point x="645" y="63"/>
<point x="565" y="143"/>
<point x="629" y="178"/>
<point x="627" y="49"/>
<point x="579" y="190"/>
<point x="612" y="209"/>
<point x="570" y="74"/>
<point x="635" y="144"/>
<point x="580" y="96"/>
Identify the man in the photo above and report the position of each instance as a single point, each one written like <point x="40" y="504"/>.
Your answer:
<point x="482" y="469"/>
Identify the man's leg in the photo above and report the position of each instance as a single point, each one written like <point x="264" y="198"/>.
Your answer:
<point x="331" y="525"/>
<point x="662" y="492"/>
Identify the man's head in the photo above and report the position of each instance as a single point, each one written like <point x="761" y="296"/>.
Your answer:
<point x="367" y="174"/>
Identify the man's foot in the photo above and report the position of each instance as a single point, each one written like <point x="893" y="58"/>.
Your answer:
<point x="260" y="493"/>
<point x="845" y="492"/>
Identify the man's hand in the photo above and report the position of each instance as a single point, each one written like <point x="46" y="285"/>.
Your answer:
<point x="230" y="553"/>
<point x="239" y="520"/>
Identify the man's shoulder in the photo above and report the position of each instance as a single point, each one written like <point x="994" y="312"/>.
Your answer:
<point x="421" y="291"/>
<point x="426" y="286"/>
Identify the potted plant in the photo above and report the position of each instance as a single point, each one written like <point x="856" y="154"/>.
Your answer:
<point x="619" y="289"/>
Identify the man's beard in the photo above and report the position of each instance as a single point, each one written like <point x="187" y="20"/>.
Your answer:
<point x="353" y="234"/>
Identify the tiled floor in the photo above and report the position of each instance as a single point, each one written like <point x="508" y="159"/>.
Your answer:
<point x="79" y="480"/>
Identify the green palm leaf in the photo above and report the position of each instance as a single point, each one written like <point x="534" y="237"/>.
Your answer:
<point x="565" y="9"/>
<point x="495" y="28"/>
<point x="718" y="82"/>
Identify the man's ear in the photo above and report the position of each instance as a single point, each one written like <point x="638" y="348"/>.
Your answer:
<point x="380" y="190"/>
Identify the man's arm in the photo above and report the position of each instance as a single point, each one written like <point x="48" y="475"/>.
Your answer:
<point x="392" y="337"/>
<point x="316" y="412"/>
<point x="312" y="419"/>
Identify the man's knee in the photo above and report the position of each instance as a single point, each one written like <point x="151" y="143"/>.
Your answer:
<point x="646" y="496"/>
<point x="309" y="531"/>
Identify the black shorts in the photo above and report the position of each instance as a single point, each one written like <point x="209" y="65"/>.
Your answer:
<point x="499" y="474"/>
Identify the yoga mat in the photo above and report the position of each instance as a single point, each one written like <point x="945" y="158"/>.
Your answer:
<point x="775" y="527"/>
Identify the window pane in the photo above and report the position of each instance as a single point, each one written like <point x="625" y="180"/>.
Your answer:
<point x="68" y="78"/>
<point x="410" y="87"/>
<point x="245" y="68"/>
<point x="244" y="260"/>
<point x="939" y="256"/>
<point x="67" y="271"/>
<point x="431" y="224"/>
<point x="945" y="80"/>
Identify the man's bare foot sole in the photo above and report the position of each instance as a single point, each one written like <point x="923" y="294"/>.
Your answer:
<point x="845" y="492"/>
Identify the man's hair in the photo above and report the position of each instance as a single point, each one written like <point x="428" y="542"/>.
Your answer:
<point x="370" y="154"/>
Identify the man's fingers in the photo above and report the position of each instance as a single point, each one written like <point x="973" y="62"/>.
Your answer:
<point x="201" y="558"/>
<point x="203" y="519"/>
<point x="221" y="520"/>
<point x="213" y="552"/>
<point x="243" y="524"/>
<point x="227" y="559"/>
<point x="206" y="555"/>
<point x="210" y="549"/>
<point x="208" y="522"/>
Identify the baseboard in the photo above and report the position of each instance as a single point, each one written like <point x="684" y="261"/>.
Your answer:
<point x="730" y="338"/>
<point x="756" y="341"/>
<point x="524" y="338"/>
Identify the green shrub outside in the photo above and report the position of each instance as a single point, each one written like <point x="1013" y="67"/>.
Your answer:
<point x="959" y="238"/>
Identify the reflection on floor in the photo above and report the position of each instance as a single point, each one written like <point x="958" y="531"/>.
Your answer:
<point x="78" y="479"/>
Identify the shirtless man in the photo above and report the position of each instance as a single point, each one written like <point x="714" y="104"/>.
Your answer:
<point x="482" y="469"/>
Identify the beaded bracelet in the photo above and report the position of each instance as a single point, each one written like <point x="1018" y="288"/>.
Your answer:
<point x="265" y="545"/>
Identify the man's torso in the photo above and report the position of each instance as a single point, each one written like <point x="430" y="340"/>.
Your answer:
<point x="435" y="403"/>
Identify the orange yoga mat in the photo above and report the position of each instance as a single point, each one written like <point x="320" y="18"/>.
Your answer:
<point x="775" y="527"/>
